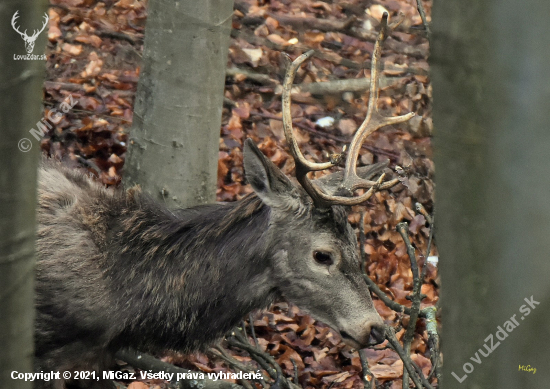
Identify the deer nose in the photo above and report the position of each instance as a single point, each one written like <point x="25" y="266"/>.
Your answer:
<point x="377" y="334"/>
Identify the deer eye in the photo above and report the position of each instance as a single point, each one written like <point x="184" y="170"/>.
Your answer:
<point x="323" y="258"/>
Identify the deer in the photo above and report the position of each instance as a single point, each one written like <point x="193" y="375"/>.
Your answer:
<point x="116" y="269"/>
<point x="29" y="40"/>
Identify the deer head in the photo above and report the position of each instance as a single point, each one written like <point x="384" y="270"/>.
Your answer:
<point x="29" y="40"/>
<point x="315" y="261"/>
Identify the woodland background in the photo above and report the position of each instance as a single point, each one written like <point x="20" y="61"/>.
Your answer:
<point x="94" y="54"/>
<point x="488" y="69"/>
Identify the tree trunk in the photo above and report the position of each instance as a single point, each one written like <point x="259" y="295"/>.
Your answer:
<point x="490" y="62"/>
<point x="174" y="141"/>
<point x="21" y="102"/>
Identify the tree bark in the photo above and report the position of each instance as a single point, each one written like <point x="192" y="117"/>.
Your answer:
<point x="490" y="62"/>
<point x="20" y="109"/>
<point x="174" y="141"/>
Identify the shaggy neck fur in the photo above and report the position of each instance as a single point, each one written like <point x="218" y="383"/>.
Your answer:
<point x="117" y="270"/>
<point x="182" y="265"/>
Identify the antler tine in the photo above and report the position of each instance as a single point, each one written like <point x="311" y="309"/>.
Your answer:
<point x="303" y="166"/>
<point x="287" y="118"/>
<point x="373" y="120"/>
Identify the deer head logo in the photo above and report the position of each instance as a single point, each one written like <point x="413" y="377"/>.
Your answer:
<point x="29" y="40"/>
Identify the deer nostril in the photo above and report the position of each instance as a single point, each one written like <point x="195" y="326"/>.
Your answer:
<point x="346" y="335"/>
<point x="377" y="334"/>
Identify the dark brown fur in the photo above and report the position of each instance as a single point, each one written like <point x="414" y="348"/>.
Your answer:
<point x="118" y="270"/>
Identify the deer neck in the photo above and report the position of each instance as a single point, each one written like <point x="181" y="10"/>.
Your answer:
<point x="200" y="270"/>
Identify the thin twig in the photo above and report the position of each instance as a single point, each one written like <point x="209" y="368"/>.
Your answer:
<point x="386" y="300"/>
<point x="422" y="13"/>
<point x="261" y="361"/>
<point x="430" y="220"/>
<point x="418" y="378"/>
<point x="362" y="240"/>
<point x="416" y="297"/>
<point x="295" y="367"/>
<point x="234" y="364"/>
<point x="251" y="324"/>
<point x="419" y="208"/>
<point x="433" y="340"/>
<point x="264" y="359"/>
<point x="366" y="375"/>
<point x="431" y="322"/>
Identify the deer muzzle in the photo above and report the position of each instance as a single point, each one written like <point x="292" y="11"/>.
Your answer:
<point x="370" y="334"/>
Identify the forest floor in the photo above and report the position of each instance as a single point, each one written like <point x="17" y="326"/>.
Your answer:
<point x="94" y="55"/>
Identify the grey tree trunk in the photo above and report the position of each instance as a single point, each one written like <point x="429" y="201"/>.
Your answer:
<point x="491" y="79"/>
<point x="174" y="141"/>
<point x="20" y="107"/>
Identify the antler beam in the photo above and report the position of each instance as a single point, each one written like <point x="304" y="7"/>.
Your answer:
<point x="373" y="121"/>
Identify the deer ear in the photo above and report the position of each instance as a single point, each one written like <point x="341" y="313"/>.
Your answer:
<point x="269" y="183"/>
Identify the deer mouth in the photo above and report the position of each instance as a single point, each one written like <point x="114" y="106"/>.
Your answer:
<point x="351" y="341"/>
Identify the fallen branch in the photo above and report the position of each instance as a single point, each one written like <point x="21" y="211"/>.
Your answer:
<point x="332" y="57"/>
<point x="419" y="51"/>
<point x="312" y="23"/>
<point x="349" y="85"/>
<point x="71" y="86"/>
<point x="345" y="26"/>
<point x="263" y="79"/>
<point x="327" y="56"/>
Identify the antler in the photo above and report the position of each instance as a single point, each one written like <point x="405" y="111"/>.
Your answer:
<point x="13" y="19"/>
<point x="373" y="121"/>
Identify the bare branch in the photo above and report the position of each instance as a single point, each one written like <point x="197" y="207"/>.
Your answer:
<point x="422" y="13"/>
<point x="366" y="375"/>
<point x="418" y="378"/>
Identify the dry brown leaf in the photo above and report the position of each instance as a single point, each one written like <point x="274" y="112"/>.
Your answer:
<point x="386" y="372"/>
<point x="277" y="39"/>
<point x="138" y="385"/>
